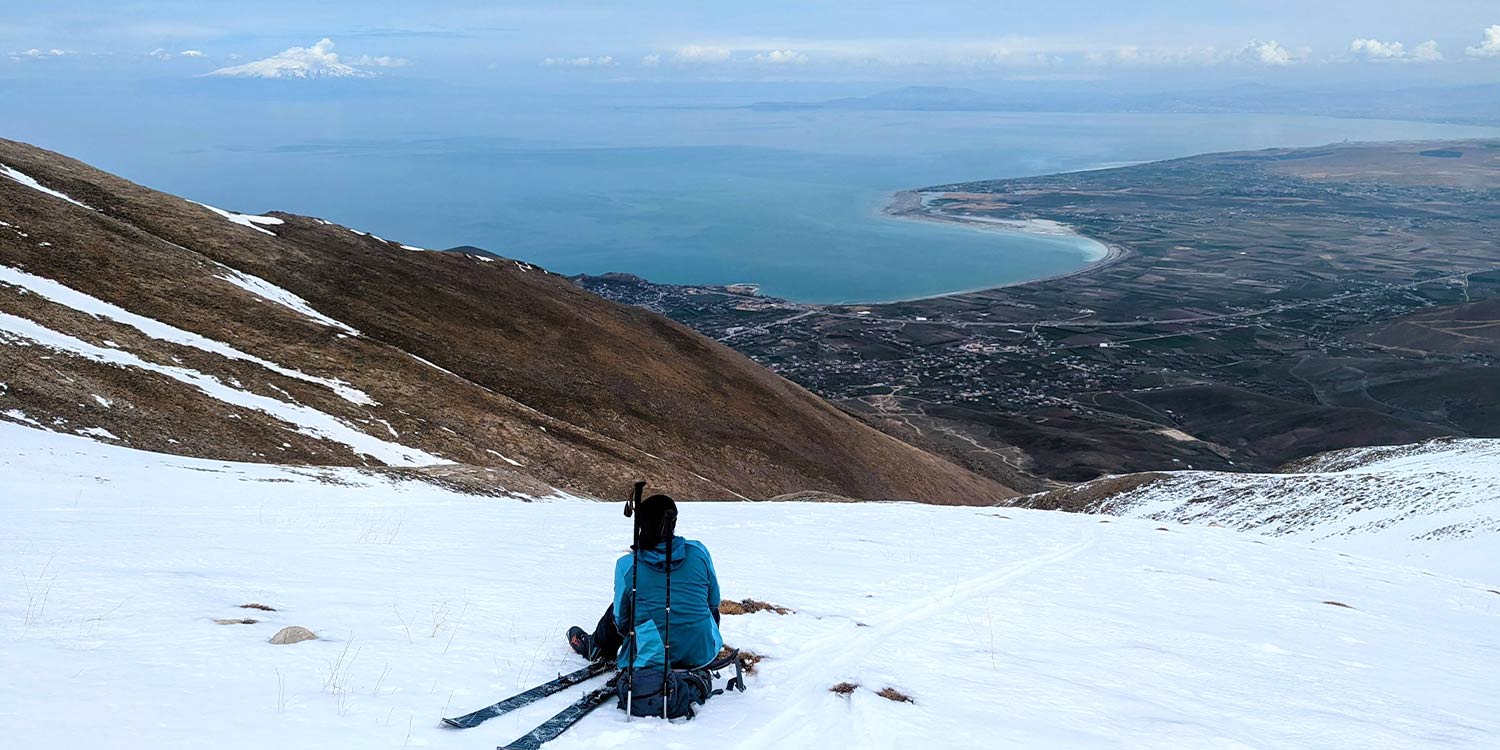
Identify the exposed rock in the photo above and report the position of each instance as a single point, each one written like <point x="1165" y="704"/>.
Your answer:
<point x="293" y="634"/>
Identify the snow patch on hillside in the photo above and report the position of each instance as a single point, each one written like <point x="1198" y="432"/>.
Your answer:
<point x="307" y="420"/>
<point x="272" y="293"/>
<point x="1434" y="504"/>
<point x="246" y="220"/>
<point x="1007" y="628"/>
<point x="30" y="182"/>
<point x="70" y="297"/>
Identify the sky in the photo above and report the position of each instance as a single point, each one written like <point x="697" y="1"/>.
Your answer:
<point x="565" y="43"/>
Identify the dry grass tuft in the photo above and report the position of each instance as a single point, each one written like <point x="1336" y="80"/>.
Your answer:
<point x="844" y="688"/>
<point x="237" y="621"/>
<point x="748" y="659"/>
<point x="1338" y="604"/>
<point x="892" y="694"/>
<point x="747" y="606"/>
<point x="261" y="607"/>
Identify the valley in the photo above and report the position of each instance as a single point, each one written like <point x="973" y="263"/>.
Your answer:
<point x="1265" y="306"/>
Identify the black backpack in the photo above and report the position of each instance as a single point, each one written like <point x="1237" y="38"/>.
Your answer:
<point x="673" y="694"/>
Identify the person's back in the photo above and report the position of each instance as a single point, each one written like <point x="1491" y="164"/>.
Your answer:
<point x="694" y="631"/>
<point x="694" y="626"/>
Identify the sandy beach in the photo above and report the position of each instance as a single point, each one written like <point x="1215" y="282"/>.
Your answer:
<point x="909" y="204"/>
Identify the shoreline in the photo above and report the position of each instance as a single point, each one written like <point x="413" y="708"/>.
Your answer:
<point x="908" y="204"/>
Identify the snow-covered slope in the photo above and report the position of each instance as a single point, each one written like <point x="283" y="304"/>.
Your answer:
<point x="1008" y="628"/>
<point x="1433" y="505"/>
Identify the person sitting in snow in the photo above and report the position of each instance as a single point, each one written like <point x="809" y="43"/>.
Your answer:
<point x="695" y="598"/>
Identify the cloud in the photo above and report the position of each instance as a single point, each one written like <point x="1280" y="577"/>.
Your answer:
<point x="651" y="61"/>
<point x="1269" y="53"/>
<point x="781" y="57"/>
<point x="602" y="61"/>
<point x="317" y="61"/>
<point x="700" y="53"/>
<point x="191" y="53"/>
<point x="1490" y="47"/>
<point x="1426" y="52"/>
<point x="383" y="61"/>
<point x="159" y="54"/>
<point x="1374" y="49"/>
<point x="1378" y="51"/>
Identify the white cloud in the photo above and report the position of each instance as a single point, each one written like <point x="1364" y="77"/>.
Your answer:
<point x="702" y="53"/>
<point x="38" y="53"/>
<point x="781" y="57"/>
<point x="602" y="61"/>
<point x="1374" y="49"/>
<point x="1490" y="47"/>
<point x="1378" y="51"/>
<point x="383" y="61"/>
<point x="191" y="53"/>
<point x="1426" y="52"/>
<point x="317" y="61"/>
<point x="651" y="61"/>
<point x="1269" y="53"/>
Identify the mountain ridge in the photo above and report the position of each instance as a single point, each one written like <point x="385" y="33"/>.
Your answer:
<point x="490" y="363"/>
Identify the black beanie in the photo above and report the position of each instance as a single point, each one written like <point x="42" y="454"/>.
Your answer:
<point x="658" y="519"/>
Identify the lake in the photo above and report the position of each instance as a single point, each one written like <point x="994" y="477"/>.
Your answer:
<point x="787" y="200"/>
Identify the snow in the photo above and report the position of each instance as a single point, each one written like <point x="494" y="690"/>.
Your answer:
<point x="272" y="293"/>
<point x="98" y="432"/>
<point x="69" y="297"/>
<point x="416" y="249"/>
<point x="246" y="220"/>
<point x="1008" y="628"/>
<point x="28" y="181"/>
<point x="102" y="401"/>
<point x="308" y="421"/>
<point x="313" y="62"/>
<point x="1434" y="505"/>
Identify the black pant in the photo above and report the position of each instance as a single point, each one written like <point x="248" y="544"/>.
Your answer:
<point x="607" y="638"/>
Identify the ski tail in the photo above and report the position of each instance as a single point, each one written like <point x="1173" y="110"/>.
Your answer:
<point x="552" y="728"/>
<point x="528" y="697"/>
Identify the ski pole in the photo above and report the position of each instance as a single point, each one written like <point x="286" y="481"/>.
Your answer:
<point x="667" y="524"/>
<point x="635" y="559"/>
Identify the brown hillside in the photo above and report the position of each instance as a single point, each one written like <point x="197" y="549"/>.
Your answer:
<point x="524" y="373"/>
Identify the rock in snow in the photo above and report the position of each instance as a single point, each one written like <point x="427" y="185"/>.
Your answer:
<point x="293" y="634"/>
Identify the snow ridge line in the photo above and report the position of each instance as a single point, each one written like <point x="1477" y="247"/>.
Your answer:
<point x="834" y="652"/>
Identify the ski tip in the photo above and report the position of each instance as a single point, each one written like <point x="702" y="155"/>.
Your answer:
<point x="454" y="724"/>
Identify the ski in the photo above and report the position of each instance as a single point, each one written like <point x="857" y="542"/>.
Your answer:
<point x="549" y="730"/>
<point x="528" y="697"/>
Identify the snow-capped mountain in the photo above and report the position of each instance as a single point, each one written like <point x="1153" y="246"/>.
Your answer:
<point x="1003" y="627"/>
<point x="1434" y="504"/>
<point x="316" y="61"/>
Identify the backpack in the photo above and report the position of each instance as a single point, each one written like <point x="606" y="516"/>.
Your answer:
<point x="647" y="691"/>
<point x="670" y="694"/>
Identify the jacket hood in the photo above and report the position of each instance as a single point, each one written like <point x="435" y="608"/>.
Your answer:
<point x="656" y="557"/>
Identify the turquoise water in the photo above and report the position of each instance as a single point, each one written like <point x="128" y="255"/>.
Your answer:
<point x="787" y="200"/>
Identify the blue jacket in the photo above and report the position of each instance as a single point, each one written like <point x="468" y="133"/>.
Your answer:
<point x="695" y="599"/>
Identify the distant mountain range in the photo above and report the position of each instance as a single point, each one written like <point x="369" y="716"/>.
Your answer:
<point x="1478" y="103"/>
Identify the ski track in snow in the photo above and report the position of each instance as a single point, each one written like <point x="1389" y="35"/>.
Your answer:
<point x="1009" y="628"/>
<point x="70" y="297"/>
<point x="30" y="182"/>
<point x="309" y="421"/>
